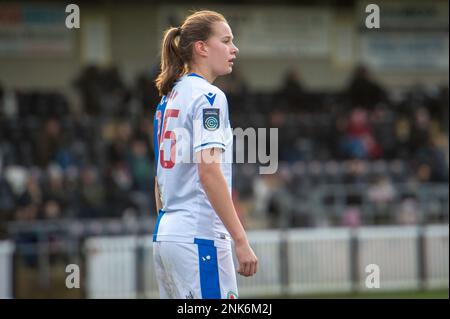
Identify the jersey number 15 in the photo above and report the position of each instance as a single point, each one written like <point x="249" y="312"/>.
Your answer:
<point x="167" y="135"/>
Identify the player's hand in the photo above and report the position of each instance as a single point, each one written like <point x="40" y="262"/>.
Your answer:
<point x="248" y="262"/>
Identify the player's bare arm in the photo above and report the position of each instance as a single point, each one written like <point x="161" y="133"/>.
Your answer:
<point x="216" y="189"/>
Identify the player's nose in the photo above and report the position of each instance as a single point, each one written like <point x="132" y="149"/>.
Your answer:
<point x="234" y="50"/>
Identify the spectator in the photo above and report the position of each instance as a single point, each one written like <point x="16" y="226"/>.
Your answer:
<point x="381" y="195"/>
<point x="48" y="142"/>
<point x="363" y="91"/>
<point x="119" y="184"/>
<point x="92" y="195"/>
<point x="146" y="91"/>
<point x="359" y="140"/>
<point x="291" y="91"/>
<point x="139" y="163"/>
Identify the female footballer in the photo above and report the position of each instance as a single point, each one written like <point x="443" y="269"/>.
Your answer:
<point x="197" y="222"/>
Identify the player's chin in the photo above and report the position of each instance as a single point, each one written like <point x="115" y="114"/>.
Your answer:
<point x="229" y="69"/>
<point x="226" y="69"/>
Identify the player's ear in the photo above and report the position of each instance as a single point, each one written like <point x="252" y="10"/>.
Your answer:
<point x="201" y="48"/>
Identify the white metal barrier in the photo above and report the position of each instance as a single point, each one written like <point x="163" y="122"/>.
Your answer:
<point x="6" y="268"/>
<point x="318" y="260"/>
<point x="111" y="267"/>
<point x="394" y="250"/>
<point x="436" y="265"/>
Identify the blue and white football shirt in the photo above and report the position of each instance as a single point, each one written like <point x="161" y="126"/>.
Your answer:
<point x="192" y="117"/>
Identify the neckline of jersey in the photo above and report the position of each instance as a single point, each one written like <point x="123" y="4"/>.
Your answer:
<point x="195" y="74"/>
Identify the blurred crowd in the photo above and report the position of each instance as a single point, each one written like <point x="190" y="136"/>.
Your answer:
<point x="93" y="158"/>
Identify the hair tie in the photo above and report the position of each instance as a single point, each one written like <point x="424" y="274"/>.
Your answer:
<point x="179" y="31"/>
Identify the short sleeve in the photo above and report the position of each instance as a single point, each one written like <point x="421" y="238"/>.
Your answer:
<point x="209" y="115"/>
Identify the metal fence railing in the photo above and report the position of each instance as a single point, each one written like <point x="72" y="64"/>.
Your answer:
<point x="294" y="262"/>
<point x="396" y="251"/>
<point x="437" y="251"/>
<point x="6" y="269"/>
<point x="319" y="260"/>
<point x="111" y="267"/>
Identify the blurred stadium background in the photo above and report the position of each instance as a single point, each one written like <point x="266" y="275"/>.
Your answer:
<point x="363" y="146"/>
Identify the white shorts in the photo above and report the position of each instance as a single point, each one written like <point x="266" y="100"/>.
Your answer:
<point x="194" y="271"/>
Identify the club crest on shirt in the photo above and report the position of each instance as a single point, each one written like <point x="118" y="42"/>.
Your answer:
<point x="232" y="295"/>
<point x="211" y="119"/>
